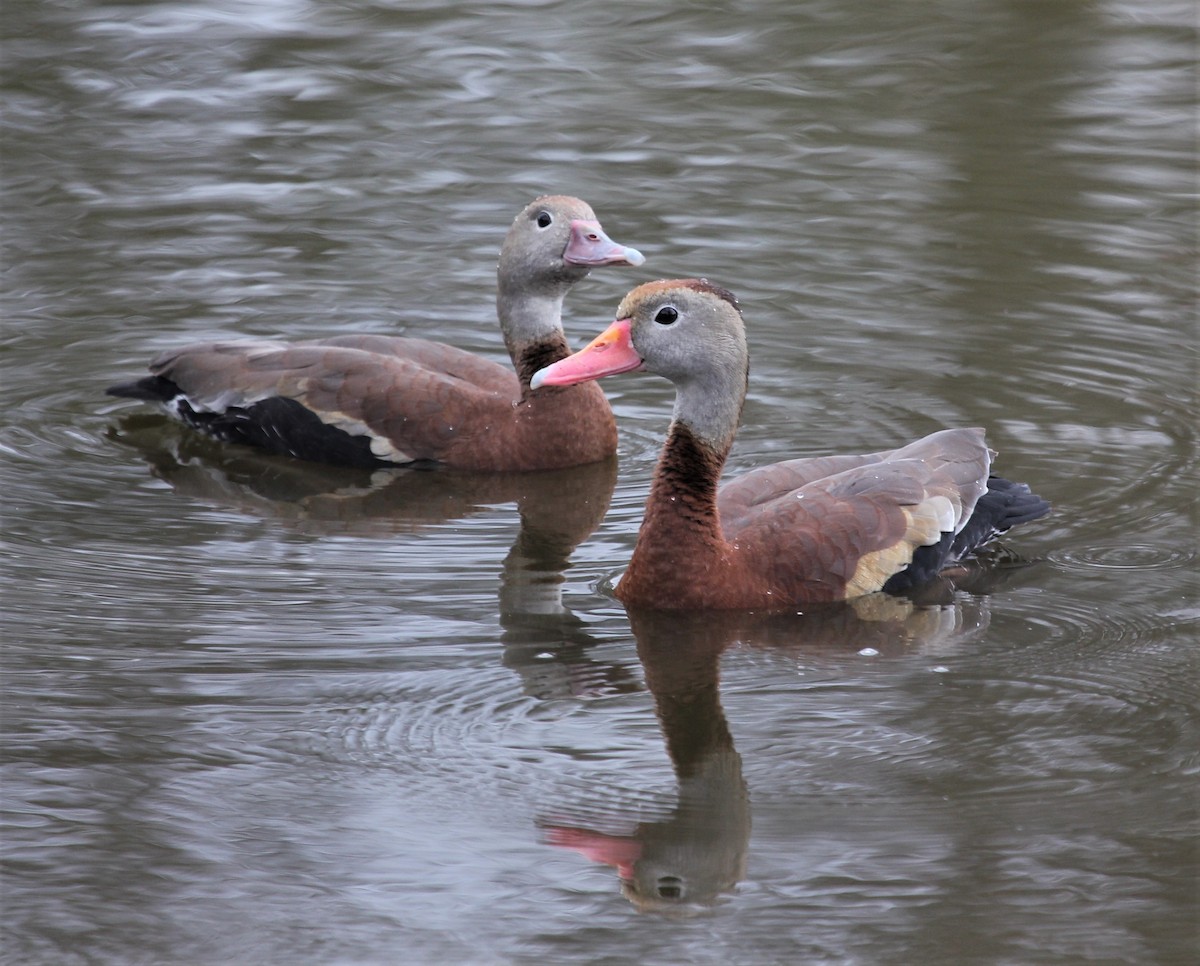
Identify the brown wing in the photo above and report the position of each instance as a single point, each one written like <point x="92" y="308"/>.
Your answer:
<point x="845" y="534"/>
<point x="740" y="499"/>
<point x="434" y="356"/>
<point x="411" y="405"/>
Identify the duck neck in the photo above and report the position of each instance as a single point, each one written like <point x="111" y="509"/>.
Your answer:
<point x="682" y="528"/>
<point x="535" y="355"/>
<point x="707" y="411"/>
<point x="530" y="318"/>
<point x="681" y="552"/>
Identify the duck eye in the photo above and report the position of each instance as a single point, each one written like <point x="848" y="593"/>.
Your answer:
<point x="544" y="220"/>
<point x="666" y="315"/>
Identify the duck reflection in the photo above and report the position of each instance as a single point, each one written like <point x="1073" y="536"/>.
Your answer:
<point x="698" y="852"/>
<point x="544" y="642"/>
<point x="690" y="859"/>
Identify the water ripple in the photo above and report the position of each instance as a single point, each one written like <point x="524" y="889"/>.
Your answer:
<point x="261" y="713"/>
<point x="1124" y="555"/>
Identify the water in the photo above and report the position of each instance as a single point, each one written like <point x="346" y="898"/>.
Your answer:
<point x="261" y="712"/>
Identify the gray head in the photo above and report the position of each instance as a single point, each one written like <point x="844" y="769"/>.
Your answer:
<point x="554" y="242"/>
<point x="686" y="330"/>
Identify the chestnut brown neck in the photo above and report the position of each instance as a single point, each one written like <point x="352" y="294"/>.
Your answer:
<point x="686" y="478"/>
<point x="680" y="548"/>
<point x="533" y="356"/>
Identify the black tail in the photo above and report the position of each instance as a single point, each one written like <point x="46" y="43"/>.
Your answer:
<point x="276" y="424"/>
<point x="152" y="388"/>
<point x="1003" y="506"/>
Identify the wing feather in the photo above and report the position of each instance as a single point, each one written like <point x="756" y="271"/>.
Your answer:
<point x="847" y="532"/>
<point x="413" y="400"/>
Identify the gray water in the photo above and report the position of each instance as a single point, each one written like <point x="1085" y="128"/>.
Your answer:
<point x="258" y="712"/>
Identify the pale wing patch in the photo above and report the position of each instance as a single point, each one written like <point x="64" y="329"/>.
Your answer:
<point x="926" y="522"/>
<point x="381" y="446"/>
<point x="945" y="511"/>
<point x="875" y="568"/>
<point x="385" y="449"/>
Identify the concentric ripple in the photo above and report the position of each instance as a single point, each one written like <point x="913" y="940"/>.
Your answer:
<point x="1124" y="555"/>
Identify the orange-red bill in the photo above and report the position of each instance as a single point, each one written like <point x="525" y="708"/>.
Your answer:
<point x="610" y="352"/>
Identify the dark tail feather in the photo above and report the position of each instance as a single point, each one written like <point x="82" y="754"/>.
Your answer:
<point x="1003" y="506"/>
<point x="152" y="388"/>
<point x="276" y="424"/>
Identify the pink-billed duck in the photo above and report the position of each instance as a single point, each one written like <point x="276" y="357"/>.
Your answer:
<point x="374" y="400"/>
<point x="800" y="531"/>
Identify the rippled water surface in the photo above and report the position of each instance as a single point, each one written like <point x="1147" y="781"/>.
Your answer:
<point x="263" y="712"/>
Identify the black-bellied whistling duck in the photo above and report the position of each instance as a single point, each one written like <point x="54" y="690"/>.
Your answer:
<point x="373" y="400"/>
<point x="801" y="531"/>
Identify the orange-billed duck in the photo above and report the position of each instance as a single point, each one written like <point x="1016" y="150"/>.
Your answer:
<point x="374" y="400"/>
<point x="801" y="531"/>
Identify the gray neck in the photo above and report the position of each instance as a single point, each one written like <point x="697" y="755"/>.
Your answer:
<point x="528" y="317"/>
<point x="710" y="405"/>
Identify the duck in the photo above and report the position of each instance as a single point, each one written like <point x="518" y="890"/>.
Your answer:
<point x="373" y="400"/>
<point x="792" y="533"/>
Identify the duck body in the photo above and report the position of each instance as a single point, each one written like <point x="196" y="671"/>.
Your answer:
<point x="801" y="531"/>
<point x="375" y="400"/>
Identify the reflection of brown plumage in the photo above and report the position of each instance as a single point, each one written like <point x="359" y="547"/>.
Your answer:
<point x="687" y="860"/>
<point x="372" y="400"/>
<point x="562" y="506"/>
<point x="796" y="532"/>
<point x="543" y="641"/>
